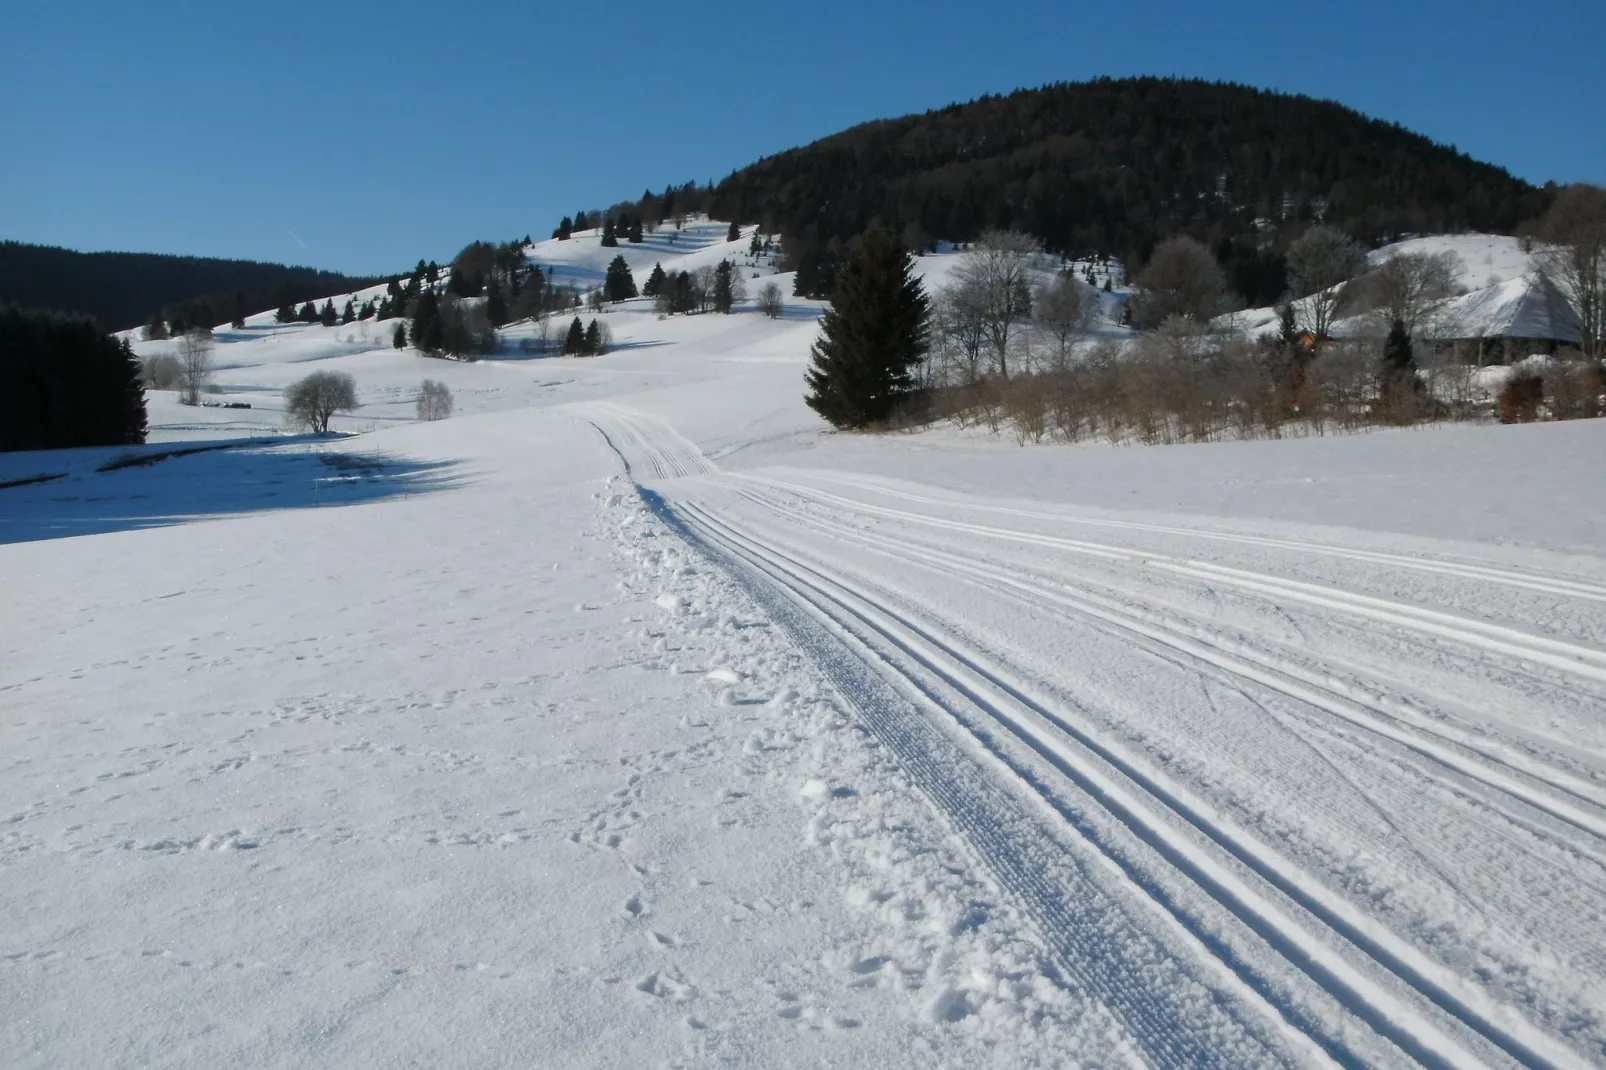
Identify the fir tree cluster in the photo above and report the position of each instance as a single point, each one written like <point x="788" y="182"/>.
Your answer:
<point x="587" y="341"/>
<point x="68" y="383"/>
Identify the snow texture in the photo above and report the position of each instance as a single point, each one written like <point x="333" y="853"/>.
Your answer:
<point x="628" y="718"/>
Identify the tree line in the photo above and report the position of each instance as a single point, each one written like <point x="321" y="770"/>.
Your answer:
<point x="1114" y="167"/>
<point x="68" y="383"/>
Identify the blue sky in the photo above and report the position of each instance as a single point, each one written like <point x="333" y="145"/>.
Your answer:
<point x="361" y="137"/>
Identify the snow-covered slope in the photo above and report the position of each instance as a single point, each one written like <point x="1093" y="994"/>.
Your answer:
<point x="627" y="717"/>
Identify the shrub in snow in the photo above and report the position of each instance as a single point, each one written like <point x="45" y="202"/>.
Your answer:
<point x="434" y="401"/>
<point x="313" y="401"/>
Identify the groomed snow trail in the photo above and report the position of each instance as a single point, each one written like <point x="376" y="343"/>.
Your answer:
<point x="1269" y="800"/>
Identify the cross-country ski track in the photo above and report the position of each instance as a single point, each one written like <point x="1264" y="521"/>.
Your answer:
<point x="1238" y="781"/>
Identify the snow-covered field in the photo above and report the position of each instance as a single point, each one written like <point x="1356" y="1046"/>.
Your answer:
<point x="628" y="719"/>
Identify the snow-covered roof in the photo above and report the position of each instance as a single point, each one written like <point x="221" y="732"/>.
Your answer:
<point x="1528" y="306"/>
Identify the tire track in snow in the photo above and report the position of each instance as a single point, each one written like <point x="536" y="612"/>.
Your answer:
<point x="851" y="617"/>
<point x="1532" y="581"/>
<point x="1571" y="658"/>
<point x="1011" y="704"/>
<point x="1494" y="771"/>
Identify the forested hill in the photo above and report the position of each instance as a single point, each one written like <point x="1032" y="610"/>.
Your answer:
<point x="1112" y="166"/>
<point x="123" y="290"/>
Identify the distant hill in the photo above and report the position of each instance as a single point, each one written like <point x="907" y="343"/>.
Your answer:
<point x="1112" y="166"/>
<point x="122" y="290"/>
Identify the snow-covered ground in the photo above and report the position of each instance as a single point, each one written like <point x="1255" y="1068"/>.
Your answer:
<point x="628" y="718"/>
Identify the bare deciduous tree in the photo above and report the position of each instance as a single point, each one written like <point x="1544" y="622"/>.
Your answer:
<point x="1064" y="310"/>
<point x="959" y="331"/>
<point x="1406" y="286"/>
<point x="1181" y="279"/>
<point x="434" y="400"/>
<point x="1319" y="263"/>
<point x="195" y="365"/>
<point x="312" y="401"/>
<point x="161" y="372"/>
<point x="996" y="278"/>
<point x="770" y="300"/>
<point x="1575" y="226"/>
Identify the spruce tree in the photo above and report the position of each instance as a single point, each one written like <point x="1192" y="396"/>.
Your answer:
<point x="871" y="338"/>
<point x="756" y="246"/>
<point x="429" y="327"/>
<point x="495" y="304"/>
<point x="565" y="229"/>
<point x="620" y="284"/>
<point x="635" y="230"/>
<point x="349" y="314"/>
<point x="610" y="239"/>
<point x="399" y="337"/>
<point x="286" y="313"/>
<point x="574" y="343"/>
<point x="326" y="315"/>
<point x="1287" y="329"/>
<point x="1399" y="357"/>
<point x="723" y="299"/>
<point x="655" y="282"/>
<point x="593" y="339"/>
<point x="134" y="424"/>
<point x="735" y="232"/>
<point x="308" y="313"/>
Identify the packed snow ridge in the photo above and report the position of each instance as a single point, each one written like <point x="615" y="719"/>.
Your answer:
<point x="626" y="717"/>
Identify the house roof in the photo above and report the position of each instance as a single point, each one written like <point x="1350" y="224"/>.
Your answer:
<point x="1528" y="306"/>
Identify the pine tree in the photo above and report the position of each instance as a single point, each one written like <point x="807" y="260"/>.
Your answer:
<point x="308" y="313"/>
<point x="574" y="343"/>
<point x="756" y="246"/>
<point x="722" y="287"/>
<point x="565" y="229"/>
<point x="873" y="335"/>
<point x="620" y="284"/>
<point x="237" y="321"/>
<point x="1399" y="356"/>
<point x="1400" y="385"/>
<point x="286" y="313"/>
<point x="735" y="232"/>
<point x="495" y="304"/>
<point x="134" y="424"/>
<point x="610" y="239"/>
<point x="593" y="339"/>
<point x="429" y="327"/>
<point x="399" y="337"/>
<point x="326" y="315"/>
<point x="1287" y="329"/>
<point x="655" y="282"/>
<point x="635" y="230"/>
<point x="350" y="312"/>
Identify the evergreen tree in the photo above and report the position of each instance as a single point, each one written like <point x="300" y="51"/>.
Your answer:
<point x="429" y="327"/>
<point x="635" y="230"/>
<point x="655" y="282"/>
<point x="399" y="337"/>
<point x="574" y="342"/>
<point x="286" y="313"/>
<point x="722" y="287"/>
<point x="620" y="284"/>
<point x="67" y="383"/>
<point x="565" y="229"/>
<point x="1287" y="328"/>
<point x="349" y="313"/>
<point x="610" y="239"/>
<point x="308" y="313"/>
<point x="237" y="321"/>
<point x="1399" y="356"/>
<point x="326" y="315"/>
<point x="593" y="339"/>
<point x="495" y="304"/>
<point x="366" y="312"/>
<point x="756" y="246"/>
<point x="735" y="232"/>
<point x="871" y="338"/>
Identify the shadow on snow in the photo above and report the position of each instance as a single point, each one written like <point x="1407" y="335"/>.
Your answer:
<point x="222" y="481"/>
